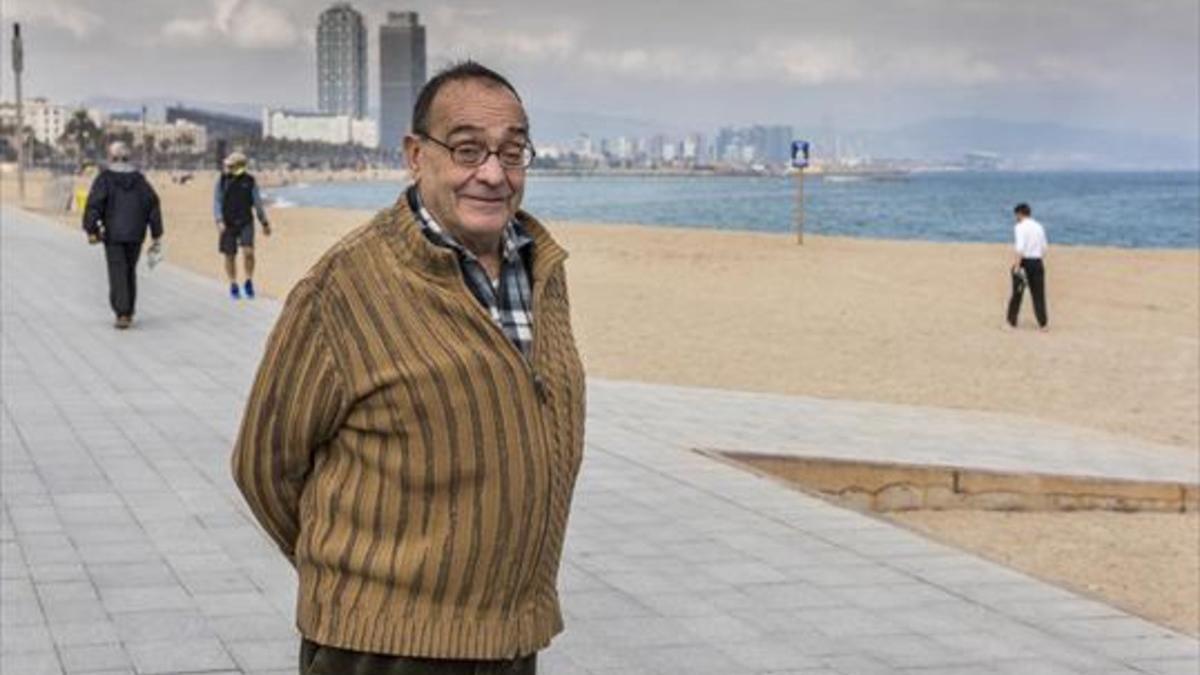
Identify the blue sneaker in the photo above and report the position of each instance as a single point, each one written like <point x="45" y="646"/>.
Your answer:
<point x="234" y="292"/>
<point x="249" y="289"/>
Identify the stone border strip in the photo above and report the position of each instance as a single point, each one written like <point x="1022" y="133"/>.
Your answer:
<point x="891" y="486"/>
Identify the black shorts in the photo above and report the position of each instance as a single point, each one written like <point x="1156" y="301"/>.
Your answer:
<point x="232" y="237"/>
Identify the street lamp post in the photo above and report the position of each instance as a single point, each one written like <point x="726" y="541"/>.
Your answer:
<point x="18" y="64"/>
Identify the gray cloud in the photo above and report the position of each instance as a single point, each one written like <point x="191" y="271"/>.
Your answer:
<point x="690" y="64"/>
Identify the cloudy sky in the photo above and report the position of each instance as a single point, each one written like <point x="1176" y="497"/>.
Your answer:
<point x="1127" y="65"/>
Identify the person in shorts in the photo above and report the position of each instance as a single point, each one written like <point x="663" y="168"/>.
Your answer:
<point x="236" y="201"/>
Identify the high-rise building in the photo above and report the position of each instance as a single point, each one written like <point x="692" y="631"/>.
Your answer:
<point x="401" y="75"/>
<point x="342" y="62"/>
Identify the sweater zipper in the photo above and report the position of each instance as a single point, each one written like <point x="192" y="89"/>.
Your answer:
<point x="539" y="390"/>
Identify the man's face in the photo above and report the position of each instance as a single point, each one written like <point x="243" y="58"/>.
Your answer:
<point x="473" y="203"/>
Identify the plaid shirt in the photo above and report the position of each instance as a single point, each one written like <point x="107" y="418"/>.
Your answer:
<point x="509" y="299"/>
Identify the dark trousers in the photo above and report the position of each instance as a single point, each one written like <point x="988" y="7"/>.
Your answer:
<point x="318" y="659"/>
<point x="1035" y="275"/>
<point x="122" y="275"/>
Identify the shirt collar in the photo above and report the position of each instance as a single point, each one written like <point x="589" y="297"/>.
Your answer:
<point x="514" y="241"/>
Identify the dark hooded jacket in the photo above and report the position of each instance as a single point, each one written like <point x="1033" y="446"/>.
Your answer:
<point x="123" y="203"/>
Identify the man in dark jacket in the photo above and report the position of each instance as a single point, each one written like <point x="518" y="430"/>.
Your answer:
<point x="236" y="201"/>
<point x="120" y="206"/>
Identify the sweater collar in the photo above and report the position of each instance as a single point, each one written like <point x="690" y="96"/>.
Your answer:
<point x="513" y="240"/>
<point x="405" y="233"/>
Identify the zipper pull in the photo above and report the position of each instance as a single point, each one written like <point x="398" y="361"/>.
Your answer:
<point x="540" y="386"/>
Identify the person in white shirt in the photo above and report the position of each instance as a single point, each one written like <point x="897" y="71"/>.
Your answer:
<point x="1027" y="268"/>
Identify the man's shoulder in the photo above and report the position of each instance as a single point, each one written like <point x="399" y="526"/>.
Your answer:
<point x="357" y="252"/>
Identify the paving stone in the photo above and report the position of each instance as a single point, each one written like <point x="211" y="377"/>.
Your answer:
<point x="603" y="604"/>
<point x="93" y="658"/>
<point x="1186" y="666"/>
<point x="30" y="663"/>
<point x="162" y="626"/>
<point x="22" y="638"/>
<point x="699" y="659"/>
<point x="265" y="654"/>
<point x="80" y="633"/>
<point x="146" y="599"/>
<point x="171" y="656"/>
<point x="253" y="627"/>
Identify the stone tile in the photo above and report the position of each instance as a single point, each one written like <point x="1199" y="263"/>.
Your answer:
<point x="768" y="655"/>
<point x="744" y="573"/>
<point x="640" y="632"/>
<point x="230" y="604"/>
<point x="698" y="659"/>
<point x="253" y="627"/>
<point x="849" y="622"/>
<point x="93" y="658"/>
<point x="162" y="626"/>
<point x="265" y="654"/>
<point x="19" y="607"/>
<point x="603" y="604"/>
<point x="171" y="656"/>
<point x="678" y="604"/>
<point x="81" y="633"/>
<point x="146" y="599"/>
<point x="152" y="572"/>
<point x="1187" y="666"/>
<point x="1149" y="648"/>
<point x="721" y="629"/>
<point x="22" y="638"/>
<point x="1032" y="667"/>
<point x="30" y="663"/>
<point x="58" y="572"/>
<point x="857" y="665"/>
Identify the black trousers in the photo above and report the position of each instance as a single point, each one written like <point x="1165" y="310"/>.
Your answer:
<point x="122" y="275"/>
<point x="318" y="659"/>
<point x="1035" y="274"/>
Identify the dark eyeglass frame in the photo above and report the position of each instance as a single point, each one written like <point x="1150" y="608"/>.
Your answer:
<point x="527" y="153"/>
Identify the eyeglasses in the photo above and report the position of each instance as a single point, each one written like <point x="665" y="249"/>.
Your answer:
<point x="473" y="154"/>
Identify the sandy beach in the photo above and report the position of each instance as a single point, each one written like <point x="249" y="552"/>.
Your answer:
<point x="905" y="322"/>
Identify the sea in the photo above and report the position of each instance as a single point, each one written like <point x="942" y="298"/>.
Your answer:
<point x="1131" y="210"/>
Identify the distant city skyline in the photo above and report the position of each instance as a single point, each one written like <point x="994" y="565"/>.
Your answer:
<point x="680" y="65"/>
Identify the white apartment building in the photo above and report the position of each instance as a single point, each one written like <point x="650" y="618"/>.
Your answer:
<point x="319" y="127"/>
<point x="178" y="136"/>
<point x="47" y="121"/>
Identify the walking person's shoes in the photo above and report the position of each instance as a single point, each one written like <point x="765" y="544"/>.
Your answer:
<point x="235" y="293"/>
<point x="123" y="322"/>
<point x="249" y="289"/>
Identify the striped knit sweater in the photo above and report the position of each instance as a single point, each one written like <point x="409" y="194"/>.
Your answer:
<point x="411" y="463"/>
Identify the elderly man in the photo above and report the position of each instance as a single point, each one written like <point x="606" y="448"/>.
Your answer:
<point x="413" y="436"/>
<point x="236" y="200"/>
<point x="121" y="205"/>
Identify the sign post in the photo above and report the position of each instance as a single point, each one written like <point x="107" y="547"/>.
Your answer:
<point x="18" y="64"/>
<point x="799" y="163"/>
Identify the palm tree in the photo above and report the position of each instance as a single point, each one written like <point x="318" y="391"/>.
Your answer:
<point x="83" y="135"/>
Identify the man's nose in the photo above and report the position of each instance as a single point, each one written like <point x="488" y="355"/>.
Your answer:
<point x="491" y="171"/>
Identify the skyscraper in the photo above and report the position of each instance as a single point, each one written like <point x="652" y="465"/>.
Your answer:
<point x="342" y="62"/>
<point x="401" y="75"/>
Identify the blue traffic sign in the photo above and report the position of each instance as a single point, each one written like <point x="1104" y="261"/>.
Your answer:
<point x="799" y="154"/>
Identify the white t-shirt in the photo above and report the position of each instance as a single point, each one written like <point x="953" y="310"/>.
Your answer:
<point x="1030" y="238"/>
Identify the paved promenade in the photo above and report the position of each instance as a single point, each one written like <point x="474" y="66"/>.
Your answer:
<point x="126" y="549"/>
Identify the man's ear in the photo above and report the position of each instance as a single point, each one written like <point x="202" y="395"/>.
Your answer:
<point x="412" y="154"/>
